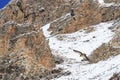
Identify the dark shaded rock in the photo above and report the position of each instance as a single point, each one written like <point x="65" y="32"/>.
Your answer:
<point x="66" y="73"/>
<point x="58" y="60"/>
<point x="116" y="76"/>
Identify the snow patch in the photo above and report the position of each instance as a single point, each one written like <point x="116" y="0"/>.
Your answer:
<point x="45" y="28"/>
<point x="86" y="42"/>
<point x="103" y="4"/>
<point x="100" y="71"/>
<point x="81" y="40"/>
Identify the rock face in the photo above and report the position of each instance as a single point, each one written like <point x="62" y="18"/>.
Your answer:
<point x="27" y="43"/>
<point x="23" y="46"/>
<point x="22" y="40"/>
<point x="86" y="13"/>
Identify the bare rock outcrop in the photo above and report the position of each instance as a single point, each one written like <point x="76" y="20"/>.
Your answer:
<point x="86" y="13"/>
<point x="22" y="40"/>
<point x="24" y="50"/>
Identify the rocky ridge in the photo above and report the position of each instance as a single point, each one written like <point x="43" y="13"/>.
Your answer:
<point x="23" y="46"/>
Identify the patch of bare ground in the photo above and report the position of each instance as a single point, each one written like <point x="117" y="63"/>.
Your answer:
<point x="105" y="51"/>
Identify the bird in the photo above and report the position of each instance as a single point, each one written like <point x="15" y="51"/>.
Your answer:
<point x="82" y="55"/>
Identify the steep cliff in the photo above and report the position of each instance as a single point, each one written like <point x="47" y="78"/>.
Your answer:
<point x="25" y="51"/>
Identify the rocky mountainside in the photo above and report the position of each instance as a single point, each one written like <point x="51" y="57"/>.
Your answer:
<point x="26" y="53"/>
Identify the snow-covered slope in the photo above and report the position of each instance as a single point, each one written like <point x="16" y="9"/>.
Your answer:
<point x="103" y="4"/>
<point x="86" y="42"/>
<point x="80" y="40"/>
<point x="100" y="71"/>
